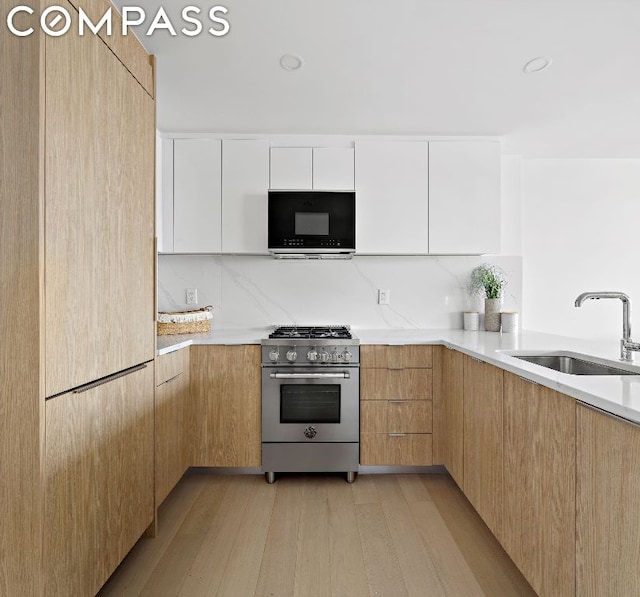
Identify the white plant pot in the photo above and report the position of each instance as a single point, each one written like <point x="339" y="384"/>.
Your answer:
<point x="492" y="314"/>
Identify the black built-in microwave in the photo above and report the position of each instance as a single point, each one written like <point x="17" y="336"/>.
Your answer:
<point x="312" y="223"/>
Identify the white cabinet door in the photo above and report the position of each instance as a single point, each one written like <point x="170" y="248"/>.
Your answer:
<point x="333" y="168"/>
<point x="392" y="209"/>
<point x="197" y="195"/>
<point x="164" y="194"/>
<point x="245" y="182"/>
<point x="291" y="168"/>
<point x="464" y="197"/>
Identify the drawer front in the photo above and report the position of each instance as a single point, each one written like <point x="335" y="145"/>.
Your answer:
<point x="382" y="449"/>
<point x="396" y="384"/>
<point x="396" y="416"/>
<point x="171" y="364"/>
<point x="383" y="356"/>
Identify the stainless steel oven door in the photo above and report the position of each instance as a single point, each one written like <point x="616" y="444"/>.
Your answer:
<point x="308" y="405"/>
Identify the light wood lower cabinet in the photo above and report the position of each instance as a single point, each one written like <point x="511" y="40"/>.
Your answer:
<point x="538" y="530"/>
<point x="448" y="412"/>
<point x="172" y="401"/>
<point x="483" y="441"/>
<point x="608" y="505"/>
<point x="396" y="410"/>
<point x="99" y="481"/>
<point x="224" y="420"/>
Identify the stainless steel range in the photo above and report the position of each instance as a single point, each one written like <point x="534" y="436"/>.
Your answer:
<point x="310" y="400"/>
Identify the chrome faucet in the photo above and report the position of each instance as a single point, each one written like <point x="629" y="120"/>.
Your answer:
<point x="627" y="346"/>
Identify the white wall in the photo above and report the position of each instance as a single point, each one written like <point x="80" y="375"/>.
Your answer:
<point x="581" y="224"/>
<point x="257" y="291"/>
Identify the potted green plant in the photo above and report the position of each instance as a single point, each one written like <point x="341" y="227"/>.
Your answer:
<point x="489" y="281"/>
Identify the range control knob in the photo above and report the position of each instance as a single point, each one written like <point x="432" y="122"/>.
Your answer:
<point x="292" y="355"/>
<point x="325" y="357"/>
<point x="310" y="432"/>
<point x="335" y="357"/>
<point x="346" y="356"/>
<point x="312" y="355"/>
<point x="274" y="355"/>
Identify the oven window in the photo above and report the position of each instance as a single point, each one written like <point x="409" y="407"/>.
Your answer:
<point x="313" y="403"/>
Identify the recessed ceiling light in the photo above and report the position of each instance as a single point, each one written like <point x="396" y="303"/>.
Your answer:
<point x="291" y="62"/>
<point x="535" y="65"/>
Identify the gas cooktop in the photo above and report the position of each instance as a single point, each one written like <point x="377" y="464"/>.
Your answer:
<point x="329" y="332"/>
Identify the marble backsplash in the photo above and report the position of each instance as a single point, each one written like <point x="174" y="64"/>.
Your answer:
<point x="255" y="291"/>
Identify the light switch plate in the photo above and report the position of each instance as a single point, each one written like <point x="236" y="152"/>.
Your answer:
<point x="192" y="296"/>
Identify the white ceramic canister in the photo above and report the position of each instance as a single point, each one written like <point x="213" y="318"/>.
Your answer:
<point x="471" y="321"/>
<point x="510" y="322"/>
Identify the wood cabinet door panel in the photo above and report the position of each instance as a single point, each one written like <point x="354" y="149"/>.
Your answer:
<point x="448" y="413"/>
<point x="224" y="418"/>
<point x="99" y="215"/>
<point x="539" y="484"/>
<point x="382" y="449"/>
<point x="382" y="416"/>
<point x="608" y="494"/>
<point x="483" y="441"/>
<point x="99" y="480"/>
<point x="396" y="357"/>
<point x="171" y="364"/>
<point x="396" y="384"/>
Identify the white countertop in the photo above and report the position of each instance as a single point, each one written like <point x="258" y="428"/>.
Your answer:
<point x="618" y="395"/>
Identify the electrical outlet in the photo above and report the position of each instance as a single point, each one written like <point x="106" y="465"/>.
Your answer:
<point x="192" y="296"/>
<point x="383" y="296"/>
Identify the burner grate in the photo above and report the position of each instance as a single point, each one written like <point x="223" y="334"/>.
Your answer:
<point x="341" y="332"/>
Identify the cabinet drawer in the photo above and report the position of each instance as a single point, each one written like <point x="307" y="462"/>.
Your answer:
<point x="396" y="357"/>
<point x="396" y="416"/>
<point x="171" y="364"/>
<point x="396" y="384"/>
<point x="382" y="449"/>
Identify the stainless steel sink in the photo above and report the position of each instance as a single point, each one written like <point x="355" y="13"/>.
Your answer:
<point x="576" y="364"/>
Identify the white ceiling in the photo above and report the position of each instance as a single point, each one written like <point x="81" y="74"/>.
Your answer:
<point x="424" y="67"/>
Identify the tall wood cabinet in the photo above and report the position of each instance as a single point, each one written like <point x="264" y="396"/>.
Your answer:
<point x="224" y="417"/>
<point x="99" y="214"/>
<point x="99" y="480"/>
<point x="396" y="386"/>
<point x="483" y="440"/>
<point x="77" y="290"/>
<point x="608" y="498"/>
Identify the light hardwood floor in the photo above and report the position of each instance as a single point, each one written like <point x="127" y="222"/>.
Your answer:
<point x="316" y="535"/>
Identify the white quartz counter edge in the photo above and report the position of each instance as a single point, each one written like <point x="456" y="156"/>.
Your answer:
<point x="618" y="395"/>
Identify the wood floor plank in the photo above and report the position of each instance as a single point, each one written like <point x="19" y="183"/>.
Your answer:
<point x="243" y="567"/>
<point x="314" y="486"/>
<point x="418" y="570"/>
<point x="454" y="573"/>
<point x="172" y="569"/>
<point x="313" y="561"/>
<point x="413" y="489"/>
<point x="389" y="490"/>
<point x="491" y="566"/>
<point x="133" y="573"/>
<point x="339" y="492"/>
<point x="205" y="575"/>
<point x="364" y="490"/>
<point x="278" y="567"/>
<point x="384" y="575"/>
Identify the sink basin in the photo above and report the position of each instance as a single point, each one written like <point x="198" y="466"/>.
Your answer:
<point x="576" y="364"/>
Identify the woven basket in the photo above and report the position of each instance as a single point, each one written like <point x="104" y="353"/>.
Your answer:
<point x="187" y="327"/>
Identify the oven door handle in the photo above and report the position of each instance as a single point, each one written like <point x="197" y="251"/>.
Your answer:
<point x="341" y="375"/>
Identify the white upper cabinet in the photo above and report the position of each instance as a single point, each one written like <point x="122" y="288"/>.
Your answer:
<point x="392" y="208"/>
<point x="317" y="168"/>
<point x="333" y="168"/>
<point x="464" y="197"/>
<point x="245" y="181"/>
<point x="291" y="168"/>
<point x="197" y="170"/>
